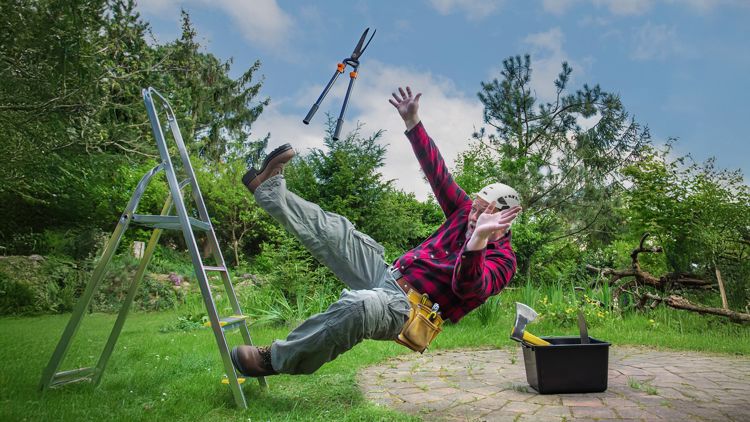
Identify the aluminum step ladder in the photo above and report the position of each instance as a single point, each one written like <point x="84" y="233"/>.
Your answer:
<point x="156" y="104"/>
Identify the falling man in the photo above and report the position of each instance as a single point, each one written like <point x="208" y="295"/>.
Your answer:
<point x="465" y="261"/>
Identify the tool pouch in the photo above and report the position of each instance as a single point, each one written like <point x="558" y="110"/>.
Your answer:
<point x="422" y="326"/>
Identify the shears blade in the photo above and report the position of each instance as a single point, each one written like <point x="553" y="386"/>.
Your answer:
<point x="358" y="50"/>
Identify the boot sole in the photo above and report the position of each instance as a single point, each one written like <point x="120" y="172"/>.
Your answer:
<point x="253" y="173"/>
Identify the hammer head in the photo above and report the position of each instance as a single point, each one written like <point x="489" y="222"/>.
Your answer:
<point x="524" y="315"/>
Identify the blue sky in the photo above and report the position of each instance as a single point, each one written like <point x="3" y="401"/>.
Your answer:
<point x="682" y="67"/>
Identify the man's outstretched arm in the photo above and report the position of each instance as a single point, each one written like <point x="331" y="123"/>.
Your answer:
<point x="449" y="195"/>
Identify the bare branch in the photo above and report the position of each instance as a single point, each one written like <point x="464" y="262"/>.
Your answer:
<point x="679" y="302"/>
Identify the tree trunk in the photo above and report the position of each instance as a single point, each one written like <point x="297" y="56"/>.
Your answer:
<point x="723" y="293"/>
<point x="235" y="248"/>
<point x="207" y="249"/>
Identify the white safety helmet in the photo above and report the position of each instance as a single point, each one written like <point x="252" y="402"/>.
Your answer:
<point x="504" y="196"/>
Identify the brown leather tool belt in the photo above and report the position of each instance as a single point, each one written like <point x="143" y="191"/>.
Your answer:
<point x="413" y="294"/>
<point x="424" y="323"/>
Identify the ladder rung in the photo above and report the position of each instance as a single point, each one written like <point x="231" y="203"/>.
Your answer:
<point x="59" y="383"/>
<point x="168" y="222"/>
<point x="229" y="322"/>
<point x="221" y="269"/>
<point x="71" y="376"/>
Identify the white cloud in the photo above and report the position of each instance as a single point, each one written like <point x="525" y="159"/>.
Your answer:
<point x="158" y="6"/>
<point x="640" y="7"/>
<point x="657" y="42"/>
<point x="703" y="6"/>
<point x="450" y="117"/>
<point x="162" y="9"/>
<point x="595" y="21"/>
<point x="551" y="40"/>
<point x="625" y="7"/>
<point x="261" y="22"/>
<point x="700" y="5"/>
<point x="617" y="7"/>
<point x="547" y="55"/>
<point x="557" y="7"/>
<point x="473" y="9"/>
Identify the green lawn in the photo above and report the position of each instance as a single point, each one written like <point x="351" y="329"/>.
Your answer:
<point x="176" y="375"/>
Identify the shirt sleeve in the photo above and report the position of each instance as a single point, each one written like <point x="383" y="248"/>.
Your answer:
<point x="483" y="273"/>
<point x="447" y="192"/>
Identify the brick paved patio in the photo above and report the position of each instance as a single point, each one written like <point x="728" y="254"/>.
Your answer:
<point x="490" y="385"/>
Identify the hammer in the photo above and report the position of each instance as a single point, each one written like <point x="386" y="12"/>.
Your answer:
<point x="524" y="315"/>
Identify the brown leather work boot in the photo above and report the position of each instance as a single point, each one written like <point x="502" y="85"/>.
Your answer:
<point x="272" y="165"/>
<point x="253" y="361"/>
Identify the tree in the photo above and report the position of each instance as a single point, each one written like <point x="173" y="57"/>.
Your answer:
<point x="721" y="206"/>
<point x="52" y="94"/>
<point x="345" y="178"/>
<point x="239" y="222"/>
<point x="73" y="114"/>
<point x="49" y="72"/>
<point x="567" y="174"/>
<point x="699" y="214"/>
<point x="217" y="111"/>
<point x="620" y="282"/>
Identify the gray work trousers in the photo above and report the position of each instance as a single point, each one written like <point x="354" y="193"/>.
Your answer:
<point x="373" y="307"/>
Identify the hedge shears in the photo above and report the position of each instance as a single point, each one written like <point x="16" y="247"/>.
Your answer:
<point x="352" y="61"/>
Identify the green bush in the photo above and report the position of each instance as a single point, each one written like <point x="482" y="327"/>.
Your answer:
<point x="290" y="269"/>
<point x="21" y="243"/>
<point x="293" y="285"/>
<point x="78" y="243"/>
<point x="35" y="285"/>
<point x="564" y="311"/>
<point x="152" y="295"/>
<point x="268" y="305"/>
<point x="559" y="303"/>
<point x="167" y="259"/>
<point x="186" y="322"/>
<point x="489" y="312"/>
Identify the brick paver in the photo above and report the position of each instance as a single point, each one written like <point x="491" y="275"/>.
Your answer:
<point x="490" y="385"/>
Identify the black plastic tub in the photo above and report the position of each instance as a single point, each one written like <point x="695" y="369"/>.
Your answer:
<point x="567" y="366"/>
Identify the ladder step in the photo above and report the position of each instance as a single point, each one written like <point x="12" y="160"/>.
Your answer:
<point x="220" y="269"/>
<point x="73" y="375"/>
<point x="229" y="322"/>
<point x="168" y="222"/>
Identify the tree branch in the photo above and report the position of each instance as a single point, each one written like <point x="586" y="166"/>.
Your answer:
<point x="679" y="302"/>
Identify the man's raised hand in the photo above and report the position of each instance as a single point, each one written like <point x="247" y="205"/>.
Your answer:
<point x="491" y="225"/>
<point x="407" y="106"/>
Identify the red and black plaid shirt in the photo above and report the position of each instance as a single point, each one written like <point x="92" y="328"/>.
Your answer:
<point x="457" y="279"/>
